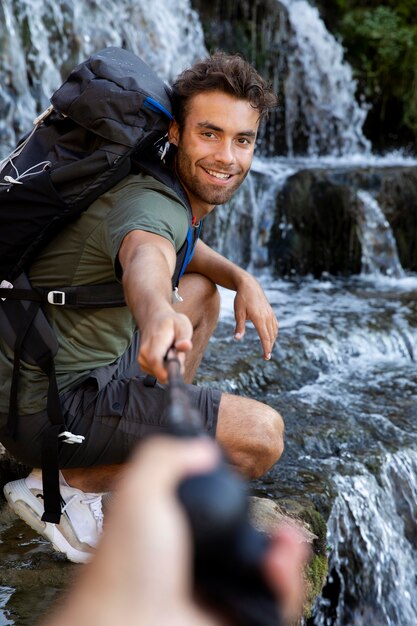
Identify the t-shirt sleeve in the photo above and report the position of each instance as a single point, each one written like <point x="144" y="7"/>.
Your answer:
<point x="145" y="209"/>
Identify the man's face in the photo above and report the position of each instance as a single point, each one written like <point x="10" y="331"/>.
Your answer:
<point x="215" y="148"/>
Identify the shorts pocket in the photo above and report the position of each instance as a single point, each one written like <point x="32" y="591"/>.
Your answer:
<point x="111" y="400"/>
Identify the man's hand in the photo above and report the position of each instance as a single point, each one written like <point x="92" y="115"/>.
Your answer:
<point x="158" y="335"/>
<point x="252" y="305"/>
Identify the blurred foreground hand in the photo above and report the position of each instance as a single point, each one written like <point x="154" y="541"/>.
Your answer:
<point x="142" y="573"/>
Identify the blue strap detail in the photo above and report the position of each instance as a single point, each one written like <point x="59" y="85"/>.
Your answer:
<point x="192" y="238"/>
<point x="157" y="107"/>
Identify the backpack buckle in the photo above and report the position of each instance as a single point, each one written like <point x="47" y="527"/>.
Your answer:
<point x="56" y="297"/>
<point x="68" y="437"/>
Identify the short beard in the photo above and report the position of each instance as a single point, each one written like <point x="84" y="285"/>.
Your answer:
<point x="204" y="191"/>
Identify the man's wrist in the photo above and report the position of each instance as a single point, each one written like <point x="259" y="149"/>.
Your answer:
<point x="242" y="279"/>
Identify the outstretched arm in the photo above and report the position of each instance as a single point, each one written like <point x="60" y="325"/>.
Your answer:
<point x="251" y="303"/>
<point x="148" y="262"/>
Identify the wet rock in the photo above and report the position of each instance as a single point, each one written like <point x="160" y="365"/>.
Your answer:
<point x="317" y="214"/>
<point x="315" y="227"/>
<point x="397" y="196"/>
<point x="267" y="515"/>
<point x="32" y="574"/>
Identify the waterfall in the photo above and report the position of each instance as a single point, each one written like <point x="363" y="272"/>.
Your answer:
<point x="269" y="179"/>
<point x="374" y="519"/>
<point x="321" y="113"/>
<point x="43" y="40"/>
<point x="241" y="228"/>
<point x="379" y="249"/>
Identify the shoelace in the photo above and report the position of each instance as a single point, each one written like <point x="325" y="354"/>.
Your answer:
<point x="94" y="502"/>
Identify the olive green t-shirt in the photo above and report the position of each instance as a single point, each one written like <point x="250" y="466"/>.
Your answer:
<point x="84" y="253"/>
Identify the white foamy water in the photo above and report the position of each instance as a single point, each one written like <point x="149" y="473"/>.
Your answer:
<point x="319" y="89"/>
<point x="373" y="517"/>
<point x="379" y="248"/>
<point x="42" y="41"/>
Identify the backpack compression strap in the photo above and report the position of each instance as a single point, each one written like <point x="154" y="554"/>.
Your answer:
<point x="25" y="331"/>
<point x="83" y="296"/>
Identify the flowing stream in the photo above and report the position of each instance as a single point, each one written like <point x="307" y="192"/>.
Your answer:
<point x="343" y="373"/>
<point x="344" y="378"/>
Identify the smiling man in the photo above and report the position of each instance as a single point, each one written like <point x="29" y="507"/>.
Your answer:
<point x="215" y="148"/>
<point x="133" y="233"/>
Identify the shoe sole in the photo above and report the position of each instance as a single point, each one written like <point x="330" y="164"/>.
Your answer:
<point x="32" y="515"/>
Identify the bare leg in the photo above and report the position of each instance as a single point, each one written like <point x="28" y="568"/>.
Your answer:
<point x="251" y="433"/>
<point x="201" y="303"/>
<point x="97" y="479"/>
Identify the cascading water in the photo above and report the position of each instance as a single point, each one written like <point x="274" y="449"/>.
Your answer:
<point x="42" y="41"/>
<point x="379" y="249"/>
<point x="241" y="229"/>
<point x="374" y="518"/>
<point x="320" y="106"/>
<point x="267" y="189"/>
<point x="344" y="378"/>
<point x="343" y="373"/>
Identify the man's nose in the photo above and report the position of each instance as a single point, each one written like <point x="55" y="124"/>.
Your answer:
<point x="225" y="152"/>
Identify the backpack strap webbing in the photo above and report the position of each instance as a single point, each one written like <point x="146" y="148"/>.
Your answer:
<point x="21" y="333"/>
<point x="26" y="332"/>
<point x="83" y="296"/>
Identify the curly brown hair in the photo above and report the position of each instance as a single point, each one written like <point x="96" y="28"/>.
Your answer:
<point x="229" y="73"/>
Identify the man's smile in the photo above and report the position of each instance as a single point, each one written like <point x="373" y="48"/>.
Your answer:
<point x="219" y="175"/>
<point x="222" y="174"/>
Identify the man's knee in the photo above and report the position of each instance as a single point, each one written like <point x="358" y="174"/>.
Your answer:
<point x="252" y="434"/>
<point x="267" y="444"/>
<point x="209" y="297"/>
<point x="201" y="301"/>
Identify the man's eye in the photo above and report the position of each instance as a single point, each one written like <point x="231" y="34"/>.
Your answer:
<point x="208" y="134"/>
<point x="244" y="141"/>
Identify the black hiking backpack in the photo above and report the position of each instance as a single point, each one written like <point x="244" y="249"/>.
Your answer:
<point x="109" y="118"/>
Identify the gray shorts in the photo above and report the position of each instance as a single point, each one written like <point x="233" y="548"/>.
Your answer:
<point x="113" y="409"/>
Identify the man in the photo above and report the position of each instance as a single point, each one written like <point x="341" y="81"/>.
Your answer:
<point x="132" y="233"/>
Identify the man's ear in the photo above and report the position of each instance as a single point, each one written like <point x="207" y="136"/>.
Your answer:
<point x="174" y="133"/>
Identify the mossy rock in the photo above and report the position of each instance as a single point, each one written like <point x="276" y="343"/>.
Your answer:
<point x="268" y="514"/>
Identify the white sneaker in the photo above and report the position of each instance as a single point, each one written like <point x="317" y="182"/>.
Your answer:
<point x="81" y="521"/>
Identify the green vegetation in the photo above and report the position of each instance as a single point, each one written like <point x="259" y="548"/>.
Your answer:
<point x="318" y="566"/>
<point x="380" y="39"/>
